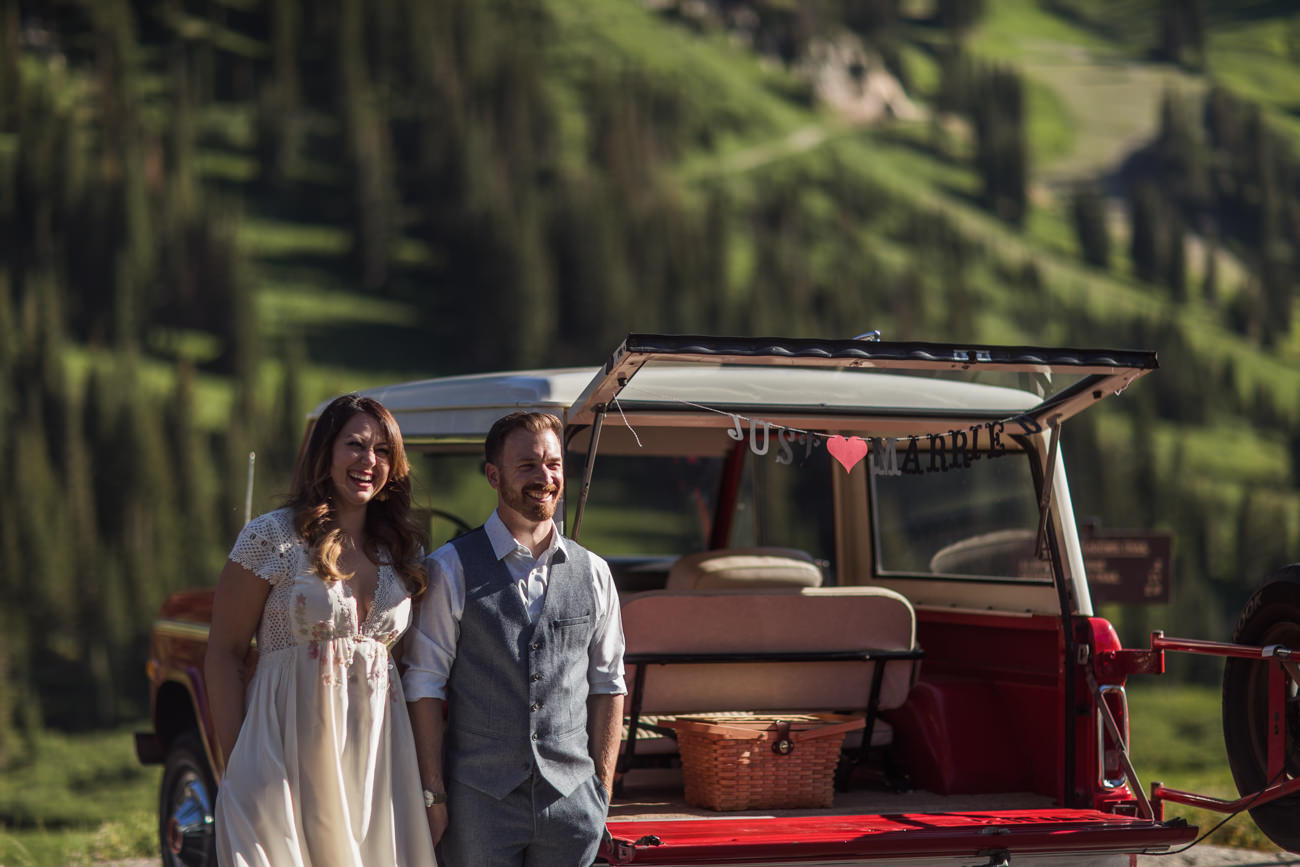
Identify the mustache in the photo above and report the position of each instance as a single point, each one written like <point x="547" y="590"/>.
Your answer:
<point x="545" y="489"/>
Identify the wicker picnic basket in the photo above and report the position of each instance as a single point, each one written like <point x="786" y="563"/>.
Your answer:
<point x="750" y="761"/>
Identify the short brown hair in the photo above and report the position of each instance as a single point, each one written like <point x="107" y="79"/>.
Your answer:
<point x="533" y="422"/>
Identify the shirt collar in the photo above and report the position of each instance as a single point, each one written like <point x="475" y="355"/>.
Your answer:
<point x="504" y="543"/>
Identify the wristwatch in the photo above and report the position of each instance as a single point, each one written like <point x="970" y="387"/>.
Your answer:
<point x="431" y="798"/>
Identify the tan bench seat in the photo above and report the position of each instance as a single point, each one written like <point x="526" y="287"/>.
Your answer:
<point x="769" y="650"/>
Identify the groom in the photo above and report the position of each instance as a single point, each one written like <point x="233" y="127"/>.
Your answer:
<point x="519" y="641"/>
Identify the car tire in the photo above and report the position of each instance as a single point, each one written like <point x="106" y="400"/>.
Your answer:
<point x="1271" y="616"/>
<point x="186" y="805"/>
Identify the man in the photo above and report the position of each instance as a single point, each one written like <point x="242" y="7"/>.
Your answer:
<point x="519" y="639"/>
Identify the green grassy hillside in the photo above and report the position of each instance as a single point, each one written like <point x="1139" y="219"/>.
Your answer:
<point x="224" y="213"/>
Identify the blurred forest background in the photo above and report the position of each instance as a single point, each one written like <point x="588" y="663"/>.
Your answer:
<point x="217" y="213"/>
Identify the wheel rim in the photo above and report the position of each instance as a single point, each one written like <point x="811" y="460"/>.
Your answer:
<point x="1287" y="635"/>
<point x="189" y="829"/>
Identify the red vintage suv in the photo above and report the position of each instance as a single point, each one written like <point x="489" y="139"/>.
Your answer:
<point x="800" y="528"/>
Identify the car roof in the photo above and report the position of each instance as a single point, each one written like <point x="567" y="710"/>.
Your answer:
<point x="700" y="381"/>
<point x="463" y="408"/>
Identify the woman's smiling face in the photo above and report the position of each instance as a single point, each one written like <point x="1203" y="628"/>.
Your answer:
<point x="361" y="461"/>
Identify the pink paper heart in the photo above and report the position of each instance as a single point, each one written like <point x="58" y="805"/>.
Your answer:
<point x="847" y="451"/>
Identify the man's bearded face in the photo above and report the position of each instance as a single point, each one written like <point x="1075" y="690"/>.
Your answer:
<point x="530" y="475"/>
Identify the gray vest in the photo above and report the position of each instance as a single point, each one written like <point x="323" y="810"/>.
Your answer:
<point x="517" y="691"/>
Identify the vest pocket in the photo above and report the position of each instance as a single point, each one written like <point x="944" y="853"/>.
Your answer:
<point x="570" y="622"/>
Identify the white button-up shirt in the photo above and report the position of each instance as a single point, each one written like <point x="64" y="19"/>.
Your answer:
<point x="431" y="643"/>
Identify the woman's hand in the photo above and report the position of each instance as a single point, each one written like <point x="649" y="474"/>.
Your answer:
<point x="437" y="821"/>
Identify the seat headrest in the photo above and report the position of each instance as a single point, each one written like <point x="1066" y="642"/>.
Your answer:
<point x="744" y="568"/>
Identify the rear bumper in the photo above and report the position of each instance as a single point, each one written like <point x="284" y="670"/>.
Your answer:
<point x="1027" y="836"/>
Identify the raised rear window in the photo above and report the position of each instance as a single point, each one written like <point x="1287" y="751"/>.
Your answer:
<point x="655" y="505"/>
<point x="975" y="521"/>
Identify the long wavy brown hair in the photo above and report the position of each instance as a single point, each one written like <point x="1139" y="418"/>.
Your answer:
<point x="390" y="529"/>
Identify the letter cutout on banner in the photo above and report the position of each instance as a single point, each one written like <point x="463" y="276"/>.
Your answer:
<point x="996" y="446"/>
<point x="753" y="438"/>
<point x="912" y="460"/>
<point x="960" y="451"/>
<point x="938" y="453"/>
<point x="734" y="432"/>
<point x="784" y="437"/>
<point x="847" y="451"/>
<point x="1030" y="424"/>
<point x="884" y="456"/>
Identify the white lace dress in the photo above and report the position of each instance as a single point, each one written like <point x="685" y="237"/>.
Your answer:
<point x="323" y="772"/>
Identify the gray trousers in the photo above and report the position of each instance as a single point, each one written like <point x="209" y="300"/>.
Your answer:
<point x="533" y="826"/>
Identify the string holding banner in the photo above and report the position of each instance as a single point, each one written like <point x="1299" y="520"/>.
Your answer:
<point x="955" y="448"/>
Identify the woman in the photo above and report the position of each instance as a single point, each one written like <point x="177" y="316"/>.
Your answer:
<point x="321" y="763"/>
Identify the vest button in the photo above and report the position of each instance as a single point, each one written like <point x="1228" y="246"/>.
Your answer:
<point x="536" y="707"/>
<point x="536" y="736"/>
<point x="537" y="677"/>
<point x="535" y="645"/>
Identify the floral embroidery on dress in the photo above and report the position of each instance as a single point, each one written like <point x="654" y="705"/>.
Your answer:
<point x="321" y="637"/>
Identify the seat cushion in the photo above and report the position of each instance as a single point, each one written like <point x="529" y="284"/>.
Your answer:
<point x="740" y="568"/>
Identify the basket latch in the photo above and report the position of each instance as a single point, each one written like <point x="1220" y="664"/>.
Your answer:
<point x="783" y="745"/>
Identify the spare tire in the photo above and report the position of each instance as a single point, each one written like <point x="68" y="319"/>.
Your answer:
<point x="1271" y="616"/>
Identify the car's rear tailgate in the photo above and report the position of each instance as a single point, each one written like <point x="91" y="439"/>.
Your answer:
<point x="966" y="834"/>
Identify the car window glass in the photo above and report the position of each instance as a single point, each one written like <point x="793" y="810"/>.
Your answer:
<point x="641" y="505"/>
<point x="975" y="521"/>
<point x="788" y="505"/>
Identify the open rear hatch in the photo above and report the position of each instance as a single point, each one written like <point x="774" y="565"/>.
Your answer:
<point x="641" y="374"/>
<point x="659" y="380"/>
<point x="768" y="839"/>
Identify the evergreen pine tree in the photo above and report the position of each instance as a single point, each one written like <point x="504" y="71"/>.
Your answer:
<point x="85" y="604"/>
<point x="10" y="76"/>
<point x="124" y="136"/>
<point x="369" y="149"/>
<point x="279" y="103"/>
<point x="1088" y="209"/>
<point x="1001" y="148"/>
<point x="717" y="274"/>
<point x="1145" y="242"/>
<point x="958" y="16"/>
<point x="1210" y="270"/>
<point x="1175" y="273"/>
<point x="194" y="484"/>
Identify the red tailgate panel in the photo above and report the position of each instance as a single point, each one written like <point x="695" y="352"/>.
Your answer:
<point x="795" y="839"/>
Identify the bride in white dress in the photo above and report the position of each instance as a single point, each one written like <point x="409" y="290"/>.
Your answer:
<point x="320" y="763"/>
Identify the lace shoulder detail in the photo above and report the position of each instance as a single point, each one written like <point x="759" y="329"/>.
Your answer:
<point x="269" y="548"/>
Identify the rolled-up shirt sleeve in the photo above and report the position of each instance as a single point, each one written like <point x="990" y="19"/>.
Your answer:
<point x="431" y="642"/>
<point x="605" y="667"/>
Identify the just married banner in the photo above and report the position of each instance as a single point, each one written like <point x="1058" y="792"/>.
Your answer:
<point x="890" y="456"/>
<point x="954" y="449"/>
